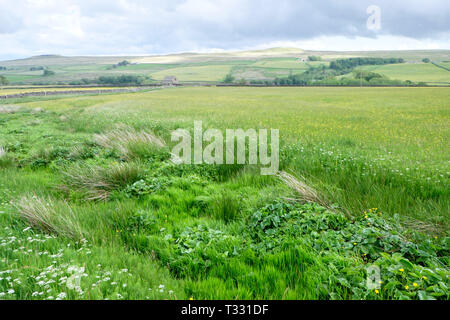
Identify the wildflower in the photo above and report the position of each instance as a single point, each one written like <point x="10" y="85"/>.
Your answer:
<point x="376" y="291"/>
<point x="61" y="296"/>
<point x="401" y="270"/>
<point x="191" y="298"/>
<point x="424" y="278"/>
<point x="415" y="285"/>
<point x="406" y="287"/>
<point x="11" y="291"/>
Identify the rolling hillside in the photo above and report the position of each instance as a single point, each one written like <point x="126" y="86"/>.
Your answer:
<point x="213" y="67"/>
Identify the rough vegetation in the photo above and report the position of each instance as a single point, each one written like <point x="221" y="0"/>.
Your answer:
<point x="98" y="211"/>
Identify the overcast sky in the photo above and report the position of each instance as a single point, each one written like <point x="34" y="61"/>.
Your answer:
<point x="138" y="27"/>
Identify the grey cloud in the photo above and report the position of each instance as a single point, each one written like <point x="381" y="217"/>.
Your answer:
<point x="139" y="26"/>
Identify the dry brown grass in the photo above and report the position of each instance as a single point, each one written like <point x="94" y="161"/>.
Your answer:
<point x="304" y="192"/>
<point x="123" y="137"/>
<point x="96" y="183"/>
<point x="49" y="216"/>
<point x="10" y="109"/>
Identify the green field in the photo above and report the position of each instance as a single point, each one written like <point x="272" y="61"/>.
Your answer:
<point x="87" y="196"/>
<point x="213" y="67"/>
<point x="420" y="72"/>
<point x="198" y="73"/>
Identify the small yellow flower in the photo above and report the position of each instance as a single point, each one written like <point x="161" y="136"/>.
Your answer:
<point x="406" y="287"/>
<point x="401" y="270"/>
<point x="415" y="284"/>
<point x="376" y="291"/>
<point x="191" y="298"/>
<point x="424" y="278"/>
<point x="380" y="282"/>
<point x="354" y="243"/>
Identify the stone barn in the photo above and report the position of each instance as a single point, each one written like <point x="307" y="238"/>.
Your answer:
<point x="170" y="81"/>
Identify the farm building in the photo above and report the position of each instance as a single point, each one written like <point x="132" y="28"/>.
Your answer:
<point x="170" y="80"/>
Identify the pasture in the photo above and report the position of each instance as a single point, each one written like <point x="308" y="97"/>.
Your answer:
<point x="213" y="67"/>
<point x="84" y="189"/>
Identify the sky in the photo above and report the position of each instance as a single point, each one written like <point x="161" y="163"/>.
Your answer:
<point x="146" y="27"/>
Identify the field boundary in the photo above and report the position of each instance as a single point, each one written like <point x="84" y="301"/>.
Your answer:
<point x="68" y="92"/>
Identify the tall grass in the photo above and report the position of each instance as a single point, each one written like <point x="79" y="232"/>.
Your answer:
<point x="49" y="216"/>
<point x="97" y="182"/>
<point x="130" y="143"/>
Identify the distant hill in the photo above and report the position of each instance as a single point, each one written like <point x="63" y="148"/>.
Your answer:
<point x="264" y="64"/>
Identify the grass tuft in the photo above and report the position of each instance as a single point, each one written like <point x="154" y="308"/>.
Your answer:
<point x="48" y="216"/>
<point x="10" y="109"/>
<point x="226" y="207"/>
<point x="96" y="183"/>
<point x="5" y="160"/>
<point x="130" y="143"/>
<point x="306" y="194"/>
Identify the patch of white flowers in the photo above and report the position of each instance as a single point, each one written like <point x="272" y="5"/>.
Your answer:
<point x="55" y="278"/>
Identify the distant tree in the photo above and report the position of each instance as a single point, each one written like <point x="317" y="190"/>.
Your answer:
<point x="3" y="81"/>
<point x="228" y="78"/>
<point x="366" y="75"/>
<point x="314" y="58"/>
<point x="121" y="64"/>
<point x="426" y="60"/>
<point x="36" y="68"/>
<point x="2" y="68"/>
<point x="120" y="80"/>
<point x="48" y="73"/>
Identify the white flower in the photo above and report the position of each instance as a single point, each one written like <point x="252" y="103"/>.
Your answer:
<point x="11" y="291"/>
<point x="61" y="296"/>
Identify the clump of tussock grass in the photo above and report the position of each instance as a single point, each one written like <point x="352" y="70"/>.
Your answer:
<point x="304" y="192"/>
<point x="96" y="183"/>
<point x="5" y="159"/>
<point x="10" y="109"/>
<point x="2" y="152"/>
<point x="49" y="216"/>
<point x="37" y="110"/>
<point x="226" y="207"/>
<point x="130" y="143"/>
